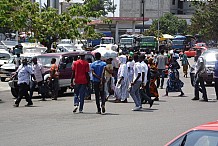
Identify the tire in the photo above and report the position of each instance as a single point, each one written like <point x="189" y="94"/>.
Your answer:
<point x="14" y="92"/>
<point x="3" y="79"/>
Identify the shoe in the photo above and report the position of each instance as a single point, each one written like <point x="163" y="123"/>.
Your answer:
<point x="182" y="94"/>
<point x="161" y="87"/>
<point x="125" y="101"/>
<point x="80" y="112"/>
<point x="103" y="109"/>
<point x="75" y="109"/>
<point x="16" y="105"/>
<point x="195" y="98"/>
<point x="156" y="99"/>
<point x="204" y="100"/>
<point x="43" y="99"/>
<point x="152" y="101"/>
<point x="136" y="108"/>
<point x="98" y="112"/>
<point x="54" y="98"/>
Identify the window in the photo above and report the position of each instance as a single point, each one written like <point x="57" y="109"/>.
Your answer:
<point x="173" y="2"/>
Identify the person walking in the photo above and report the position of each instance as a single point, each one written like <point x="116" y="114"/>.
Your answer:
<point x="143" y="93"/>
<point x="17" y="61"/>
<point x="130" y="65"/>
<point x="54" y="76"/>
<point x="98" y="69"/>
<point x="81" y="79"/>
<point x="24" y="72"/>
<point x="216" y="76"/>
<point x="199" y="79"/>
<point x="135" y="84"/>
<point x="108" y="76"/>
<point x="121" y="89"/>
<point x="185" y="63"/>
<point x="38" y="71"/>
<point x="162" y="61"/>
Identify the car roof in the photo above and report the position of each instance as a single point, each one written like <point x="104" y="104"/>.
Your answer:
<point x="64" y="53"/>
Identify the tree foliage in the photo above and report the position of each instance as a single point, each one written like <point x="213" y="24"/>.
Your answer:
<point x="169" y="24"/>
<point x="205" y="20"/>
<point x="48" y="26"/>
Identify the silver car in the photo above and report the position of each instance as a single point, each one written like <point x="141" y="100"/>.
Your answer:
<point x="210" y="58"/>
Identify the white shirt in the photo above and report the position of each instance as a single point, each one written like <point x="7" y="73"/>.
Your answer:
<point x="115" y="62"/>
<point x="145" y="70"/>
<point x="24" y="73"/>
<point x="123" y="71"/>
<point x="137" y="69"/>
<point x="130" y="65"/>
<point x="38" y="70"/>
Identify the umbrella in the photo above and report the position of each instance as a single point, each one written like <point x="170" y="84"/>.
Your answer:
<point x="167" y="36"/>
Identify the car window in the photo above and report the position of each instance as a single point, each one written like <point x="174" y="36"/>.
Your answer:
<point x="198" y="138"/>
<point x="4" y="56"/>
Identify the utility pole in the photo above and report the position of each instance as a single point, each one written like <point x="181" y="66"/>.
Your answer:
<point x="143" y="16"/>
<point x="113" y="8"/>
<point x="40" y="6"/>
<point x="158" y="26"/>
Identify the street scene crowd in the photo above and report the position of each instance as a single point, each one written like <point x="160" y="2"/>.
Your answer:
<point x="134" y="75"/>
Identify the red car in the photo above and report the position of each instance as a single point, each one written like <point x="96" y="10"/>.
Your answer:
<point x="192" y="51"/>
<point x="203" y="135"/>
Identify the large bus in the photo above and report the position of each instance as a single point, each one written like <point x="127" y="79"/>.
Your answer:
<point x="148" y="43"/>
<point x="179" y="43"/>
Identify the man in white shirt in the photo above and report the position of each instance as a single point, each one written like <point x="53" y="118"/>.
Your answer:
<point x="23" y="73"/>
<point x="144" y="96"/>
<point x="135" y="85"/>
<point x="38" y="71"/>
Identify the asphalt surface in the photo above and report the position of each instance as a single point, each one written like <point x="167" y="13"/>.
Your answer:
<point x="53" y="123"/>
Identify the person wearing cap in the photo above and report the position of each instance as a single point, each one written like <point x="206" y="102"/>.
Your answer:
<point x="23" y="73"/>
<point x="121" y="92"/>
<point x="38" y="71"/>
<point x="81" y="79"/>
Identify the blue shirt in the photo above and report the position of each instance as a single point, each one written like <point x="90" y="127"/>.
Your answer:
<point x="98" y="67"/>
<point x="216" y="70"/>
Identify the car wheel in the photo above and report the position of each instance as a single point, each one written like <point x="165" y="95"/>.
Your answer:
<point x="14" y="92"/>
<point x="3" y="79"/>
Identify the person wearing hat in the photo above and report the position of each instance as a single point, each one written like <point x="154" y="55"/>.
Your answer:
<point x="23" y="73"/>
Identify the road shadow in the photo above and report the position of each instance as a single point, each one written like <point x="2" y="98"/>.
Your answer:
<point x="178" y="96"/>
<point x="147" y="110"/>
<point x="89" y="113"/>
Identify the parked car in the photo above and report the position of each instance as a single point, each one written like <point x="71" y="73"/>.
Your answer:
<point x="203" y="135"/>
<point x="64" y="61"/>
<point x="210" y="58"/>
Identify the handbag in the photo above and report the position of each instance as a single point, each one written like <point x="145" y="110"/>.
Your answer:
<point x="203" y="73"/>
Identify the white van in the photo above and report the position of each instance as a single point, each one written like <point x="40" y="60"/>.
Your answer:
<point x="4" y="57"/>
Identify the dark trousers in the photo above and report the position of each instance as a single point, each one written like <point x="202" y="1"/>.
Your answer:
<point x="162" y="74"/>
<point x="99" y="92"/>
<point x="147" y="88"/>
<point x="54" y="88"/>
<point x="32" y="87"/>
<point x="23" y="92"/>
<point x="144" y="96"/>
<point x="204" y="92"/>
<point x="216" y="87"/>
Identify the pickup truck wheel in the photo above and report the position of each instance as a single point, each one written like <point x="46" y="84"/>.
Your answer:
<point x="14" y="92"/>
<point x="3" y="79"/>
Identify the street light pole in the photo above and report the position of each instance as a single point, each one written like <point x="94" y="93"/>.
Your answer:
<point x="40" y="6"/>
<point x="158" y="26"/>
<point x="143" y="15"/>
<point x="113" y="8"/>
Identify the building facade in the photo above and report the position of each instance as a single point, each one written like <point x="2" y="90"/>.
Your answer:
<point x="134" y="8"/>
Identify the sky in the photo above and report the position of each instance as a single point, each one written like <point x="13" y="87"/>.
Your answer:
<point x="117" y="2"/>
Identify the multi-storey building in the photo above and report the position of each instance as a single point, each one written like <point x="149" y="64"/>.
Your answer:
<point x="134" y="8"/>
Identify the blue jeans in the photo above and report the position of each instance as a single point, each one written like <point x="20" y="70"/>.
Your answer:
<point x="134" y="92"/>
<point x="79" y="95"/>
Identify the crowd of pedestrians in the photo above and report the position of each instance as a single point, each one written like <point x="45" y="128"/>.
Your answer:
<point x="132" y="75"/>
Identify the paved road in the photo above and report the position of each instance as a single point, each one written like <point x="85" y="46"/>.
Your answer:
<point x="53" y="123"/>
